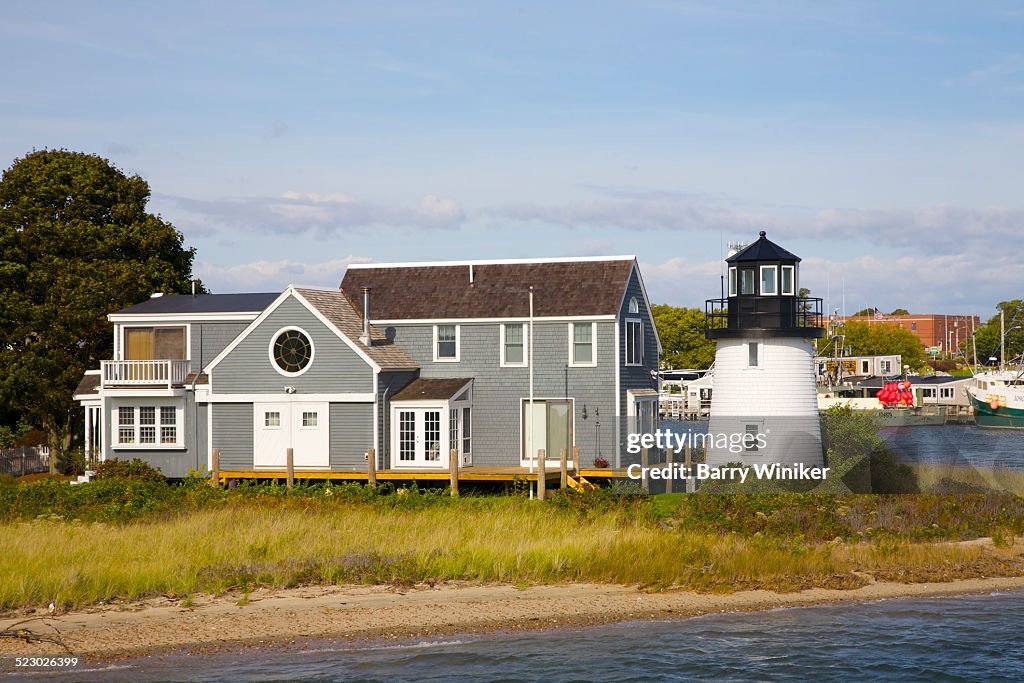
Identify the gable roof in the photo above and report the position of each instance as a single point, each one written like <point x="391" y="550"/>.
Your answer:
<point x="203" y="303"/>
<point x="428" y="388"/>
<point x="491" y="289"/>
<point x="336" y="308"/>
<point x="762" y="250"/>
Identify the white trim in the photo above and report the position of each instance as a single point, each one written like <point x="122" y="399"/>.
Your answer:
<point x="157" y="403"/>
<point x="625" y="358"/>
<point x="572" y="346"/>
<point x="792" y="281"/>
<point x="501" y="345"/>
<point x="489" y="262"/>
<point x="245" y="316"/>
<point x="289" y="292"/>
<point x="209" y="437"/>
<point x="458" y="345"/>
<point x="467" y="321"/>
<point x="647" y="302"/>
<point x="273" y="341"/>
<point x="121" y="329"/>
<point x="618" y="388"/>
<point x="155" y="392"/>
<point x="367" y="397"/>
<point x="549" y="461"/>
<point x="775" y="280"/>
<point x="444" y="408"/>
<point x="376" y="417"/>
<point x="734" y="281"/>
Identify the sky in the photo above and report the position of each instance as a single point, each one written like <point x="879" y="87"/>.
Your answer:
<point x="880" y="141"/>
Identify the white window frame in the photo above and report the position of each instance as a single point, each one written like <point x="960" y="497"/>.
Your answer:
<point x="572" y="345"/>
<point x="626" y="337"/>
<point x="886" y="366"/>
<point x="947" y="393"/>
<point x="792" y="281"/>
<point x="273" y="361"/>
<point x="526" y="348"/>
<point x="865" y="366"/>
<point x="119" y="345"/>
<point x="733" y="281"/>
<point x="157" y="404"/>
<point x="774" y="280"/>
<point x="458" y="344"/>
<point x="634" y="306"/>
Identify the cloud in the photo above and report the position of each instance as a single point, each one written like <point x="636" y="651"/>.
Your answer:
<point x="944" y="283"/>
<point x="274" y="276"/>
<point x="319" y="214"/>
<point x="1005" y="75"/>
<point x="931" y="229"/>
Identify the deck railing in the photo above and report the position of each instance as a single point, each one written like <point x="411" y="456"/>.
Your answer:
<point x="143" y="372"/>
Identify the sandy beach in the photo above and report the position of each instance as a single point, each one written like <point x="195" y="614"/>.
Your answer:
<point x="274" y="617"/>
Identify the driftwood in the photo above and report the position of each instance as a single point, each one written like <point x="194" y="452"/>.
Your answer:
<point x="17" y="631"/>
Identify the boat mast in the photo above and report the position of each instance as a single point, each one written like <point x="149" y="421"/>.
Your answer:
<point x="1002" y="340"/>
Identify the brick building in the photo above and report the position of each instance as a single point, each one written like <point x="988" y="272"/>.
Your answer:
<point x="939" y="333"/>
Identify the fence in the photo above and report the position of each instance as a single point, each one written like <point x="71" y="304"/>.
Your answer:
<point x="24" y="460"/>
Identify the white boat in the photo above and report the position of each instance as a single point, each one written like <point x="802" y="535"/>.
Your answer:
<point x="998" y="399"/>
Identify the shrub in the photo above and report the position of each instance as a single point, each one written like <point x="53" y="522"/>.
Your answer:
<point x="135" y="470"/>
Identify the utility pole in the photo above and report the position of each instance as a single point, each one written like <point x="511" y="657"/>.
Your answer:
<point x="1002" y="340"/>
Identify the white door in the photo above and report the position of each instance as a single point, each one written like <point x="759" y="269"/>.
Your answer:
<point x="418" y="438"/>
<point x="302" y="426"/>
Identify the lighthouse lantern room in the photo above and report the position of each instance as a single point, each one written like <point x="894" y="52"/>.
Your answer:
<point x="764" y="394"/>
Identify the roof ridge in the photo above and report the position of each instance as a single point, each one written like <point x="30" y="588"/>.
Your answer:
<point x="490" y="262"/>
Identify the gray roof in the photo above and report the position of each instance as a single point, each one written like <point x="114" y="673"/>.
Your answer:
<point x="763" y="250"/>
<point x="336" y="307"/>
<point x="427" y="388"/>
<point x="204" y="303"/>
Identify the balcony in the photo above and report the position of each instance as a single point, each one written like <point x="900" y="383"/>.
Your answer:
<point x="770" y="316"/>
<point x="143" y="373"/>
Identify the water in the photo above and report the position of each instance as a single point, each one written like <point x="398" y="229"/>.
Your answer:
<point x="959" y="445"/>
<point x="937" y="639"/>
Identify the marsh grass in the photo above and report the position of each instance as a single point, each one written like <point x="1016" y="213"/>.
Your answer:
<point x="506" y="540"/>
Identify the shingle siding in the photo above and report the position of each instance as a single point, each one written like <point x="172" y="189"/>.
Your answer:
<point x="335" y="368"/>
<point x="634" y="376"/>
<point x="233" y="434"/>
<point x="210" y="338"/>
<point x="351" y="435"/>
<point x="497" y="390"/>
<point x="388" y="384"/>
<point x="176" y="463"/>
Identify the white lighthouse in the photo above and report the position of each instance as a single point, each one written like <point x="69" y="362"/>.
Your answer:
<point x="764" y="376"/>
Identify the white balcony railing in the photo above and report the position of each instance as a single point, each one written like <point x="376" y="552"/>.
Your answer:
<point x="143" y="372"/>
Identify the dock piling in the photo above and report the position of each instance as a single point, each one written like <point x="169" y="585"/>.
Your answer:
<point x="542" y="479"/>
<point x="668" y="461"/>
<point x="645" y="460"/>
<point x="564" y="468"/>
<point x="290" y="466"/>
<point x="453" y="469"/>
<point x="215" y="467"/>
<point x="371" y="467"/>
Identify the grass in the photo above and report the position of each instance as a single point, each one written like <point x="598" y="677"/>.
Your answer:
<point x="239" y="541"/>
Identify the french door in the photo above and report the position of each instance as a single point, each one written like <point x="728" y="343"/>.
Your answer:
<point x="419" y="438"/>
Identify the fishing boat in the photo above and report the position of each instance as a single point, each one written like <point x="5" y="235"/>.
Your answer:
<point x="998" y="399"/>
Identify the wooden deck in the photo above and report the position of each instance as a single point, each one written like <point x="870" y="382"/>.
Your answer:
<point x="465" y="474"/>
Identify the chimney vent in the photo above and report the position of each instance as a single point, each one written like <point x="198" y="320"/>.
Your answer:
<point x="365" y="337"/>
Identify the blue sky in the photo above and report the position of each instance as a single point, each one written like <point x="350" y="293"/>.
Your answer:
<point x="881" y="141"/>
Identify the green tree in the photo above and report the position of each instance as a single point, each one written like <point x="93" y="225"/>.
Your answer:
<point x="866" y="339"/>
<point x="682" y="337"/>
<point x="900" y="311"/>
<point x="987" y="338"/>
<point x="869" y="312"/>
<point x="76" y="243"/>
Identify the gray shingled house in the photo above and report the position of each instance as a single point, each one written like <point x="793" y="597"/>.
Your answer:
<point x="413" y="360"/>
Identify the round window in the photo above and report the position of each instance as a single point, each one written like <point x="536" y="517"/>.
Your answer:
<point x="292" y="351"/>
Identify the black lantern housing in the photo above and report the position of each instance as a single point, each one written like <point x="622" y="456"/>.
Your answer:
<point x="763" y="297"/>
